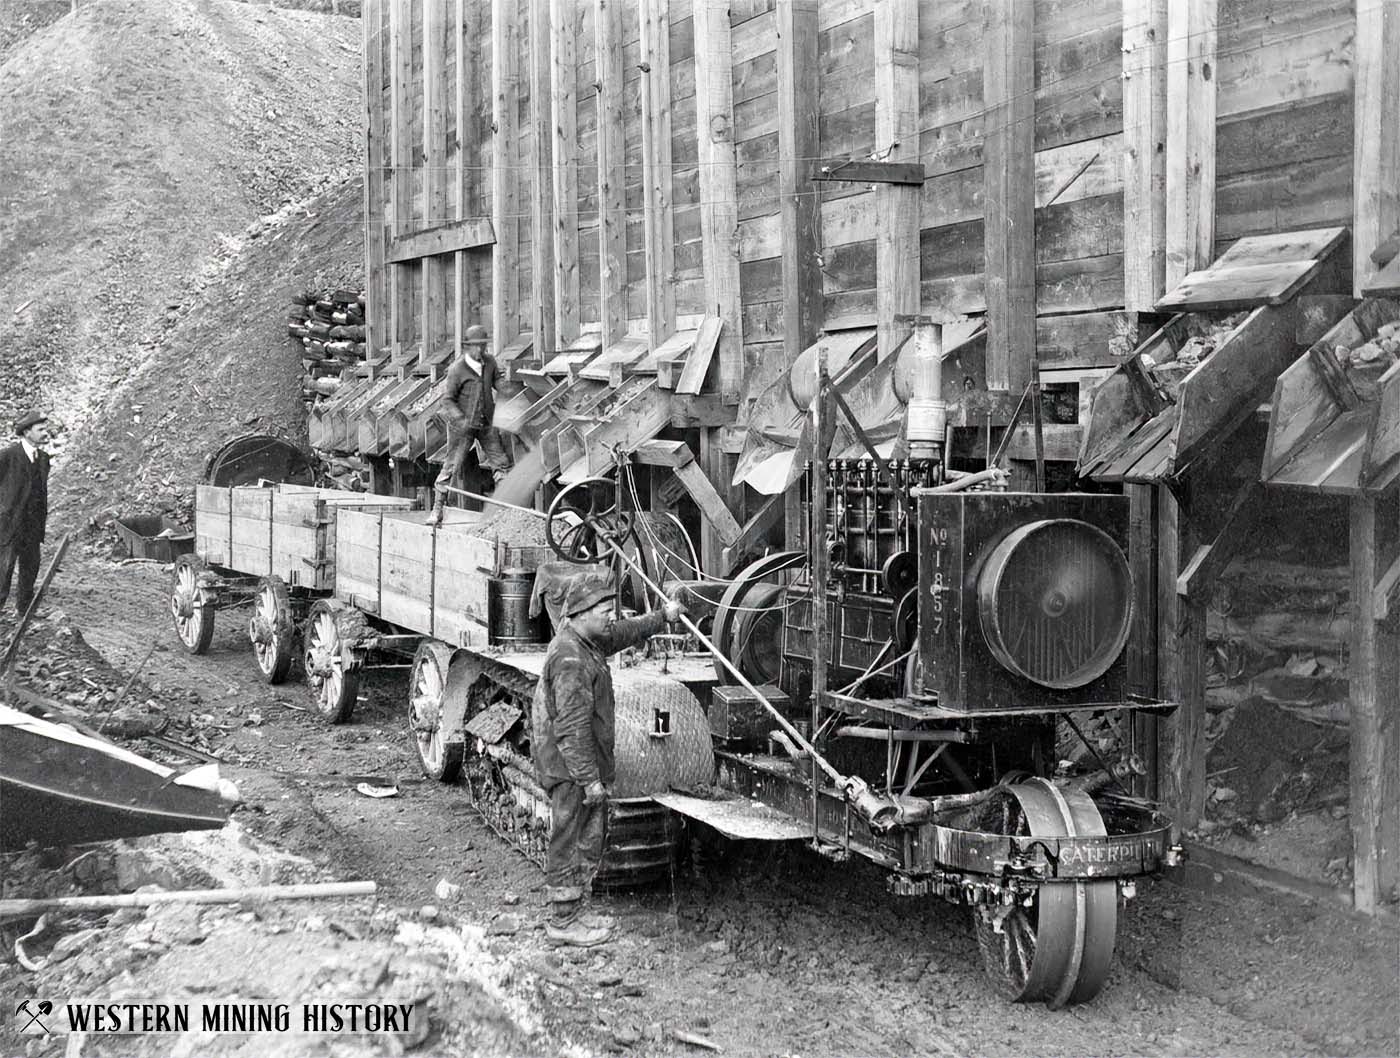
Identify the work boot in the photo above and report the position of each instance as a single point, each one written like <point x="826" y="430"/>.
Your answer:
<point x="435" y="515"/>
<point x="577" y="933"/>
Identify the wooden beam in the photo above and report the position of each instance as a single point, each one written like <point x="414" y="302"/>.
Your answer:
<point x="1008" y="191"/>
<point x="377" y="205"/>
<point x="798" y="143"/>
<point x="505" y="174"/>
<point x="663" y="453"/>
<point x="763" y="519"/>
<point x="713" y="510"/>
<point x="1371" y="700"/>
<point x="719" y="210"/>
<point x="542" y="313"/>
<point x="897" y="141"/>
<point x="1376" y="154"/>
<point x="470" y="233"/>
<point x="564" y="109"/>
<point x="612" y="217"/>
<point x="656" y="171"/>
<point x="402" y="175"/>
<point x="845" y="171"/>
<point x="438" y="271"/>
<point x="1142" y="646"/>
<point x="471" y="34"/>
<point x="1144" y="152"/>
<point x="1209" y="561"/>
<point x="1181" y="626"/>
<point x="1191" y="80"/>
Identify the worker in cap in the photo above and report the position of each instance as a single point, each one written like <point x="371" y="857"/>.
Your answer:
<point x="470" y="405"/>
<point x="24" y="507"/>
<point x="572" y="744"/>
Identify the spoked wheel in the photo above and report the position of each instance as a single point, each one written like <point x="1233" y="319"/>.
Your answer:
<point x="583" y="518"/>
<point x="1056" y="947"/>
<point x="191" y="609"/>
<point x="332" y="659"/>
<point x="440" y="751"/>
<point x="272" y="629"/>
<point x="748" y="622"/>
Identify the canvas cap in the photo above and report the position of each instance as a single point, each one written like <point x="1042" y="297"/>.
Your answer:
<point x="587" y="591"/>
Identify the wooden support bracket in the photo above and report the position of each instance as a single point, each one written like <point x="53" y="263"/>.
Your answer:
<point x="1210" y="560"/>
<point x="759" y="523"/>
<point x="471" y="234"/>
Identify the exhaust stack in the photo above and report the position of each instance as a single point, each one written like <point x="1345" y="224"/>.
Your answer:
<point x="926" y="418"/>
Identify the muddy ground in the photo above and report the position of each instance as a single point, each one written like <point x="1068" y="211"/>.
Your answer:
<point x="777" y="952"/>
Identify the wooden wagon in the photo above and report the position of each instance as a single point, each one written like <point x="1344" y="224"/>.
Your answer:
<point x="269" y="547"/>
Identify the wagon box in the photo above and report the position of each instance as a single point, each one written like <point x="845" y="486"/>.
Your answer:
<point x="287" y="531"/>
<point x="435" y="582"/>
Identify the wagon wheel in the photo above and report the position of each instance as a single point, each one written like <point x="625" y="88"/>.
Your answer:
<point x="748" y="624"/>
<point x="440" y="751"/>
<point x="191" y="609"/>
<point x="332" y="659"/>
<point x="583" y="518"/>
<point x="1057" y="946"/>
<point x="272" y="629"/>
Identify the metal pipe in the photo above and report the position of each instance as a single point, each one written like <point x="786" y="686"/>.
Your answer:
<point x="821" y="556"/>
<point x="498" y="503"/>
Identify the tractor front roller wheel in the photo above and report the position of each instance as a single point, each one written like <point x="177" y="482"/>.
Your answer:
<point x="333" y="658"/>
<point x="191" y="609"/>
<point x="272" y="629"/>
<point x="440" y="752"/>
<point x="1056" y="946"/>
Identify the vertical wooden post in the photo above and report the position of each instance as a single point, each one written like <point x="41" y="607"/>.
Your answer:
<point x="438" y="269"/>
<point x="564" y="108"/>
<point x="656" y="170"/>
<point x="1190" y="137"/>
<point x="1144" y="152"/>
<point x="612" y="217"/>
<point x="1181" y="625"/>
<point x="798" y="144"/>
<point x="505" y="174"/>
<point x="897" y="138"/>
<point x="1142" y="647"/>
<point x="402" y="174"/>
<point x="1008" y="180"/>
<point x="719" y="208"/>
<point x="541" y="183"/>
<point x="1375" y="710"/>
<point x="1376" y="155"/>
<point x="377" y="308"/>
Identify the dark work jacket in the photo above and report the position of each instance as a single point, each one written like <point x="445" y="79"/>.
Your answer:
<point x="470" y="394"/>
<point x="572" y="722"/>
<point x="24" y="495"/>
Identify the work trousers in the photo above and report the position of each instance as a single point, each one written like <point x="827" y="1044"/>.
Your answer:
<point x="578" y="834"/>
<point x="460" y="442"/>
<point x="22" y="551"/>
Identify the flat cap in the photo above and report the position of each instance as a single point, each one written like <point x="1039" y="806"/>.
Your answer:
<point x="587" y="591"/>
<point x="28" y="419"/>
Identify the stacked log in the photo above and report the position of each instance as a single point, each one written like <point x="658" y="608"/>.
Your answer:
<point x="331" y="331"/>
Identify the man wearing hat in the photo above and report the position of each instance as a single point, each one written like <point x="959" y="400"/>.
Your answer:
<point x="470" y="407"/>
<point x="572" y="743"/>
<point x="24" y="506"/>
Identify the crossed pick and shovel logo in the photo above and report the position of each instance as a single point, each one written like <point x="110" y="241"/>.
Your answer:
<point x="36" y="1014"/>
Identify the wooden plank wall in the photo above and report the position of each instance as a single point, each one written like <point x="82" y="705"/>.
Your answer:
<point x="1284" y="116"/>
<point x="1282" y="85"/>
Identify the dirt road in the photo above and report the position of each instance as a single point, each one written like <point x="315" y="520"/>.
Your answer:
<point x="776" y="951"/>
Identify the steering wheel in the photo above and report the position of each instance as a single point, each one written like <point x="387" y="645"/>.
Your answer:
<point x="584" y="518"/>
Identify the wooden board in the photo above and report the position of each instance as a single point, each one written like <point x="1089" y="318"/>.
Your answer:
<point x="250" y="522"/>
<point x="460" y="585"/>
<point x="1334" y="461"/>
<point x="357" y="558"/>
<point x="1386" y="282"/>
<point x="406" y="573"/>
<point x="1260" y="269"/>
<point x="304" y="528"/>
<point x="1230" y="383"/>
<point x="212" y="531"/>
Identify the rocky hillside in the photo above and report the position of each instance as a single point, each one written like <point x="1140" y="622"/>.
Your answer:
<point x="146" y="150"/>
